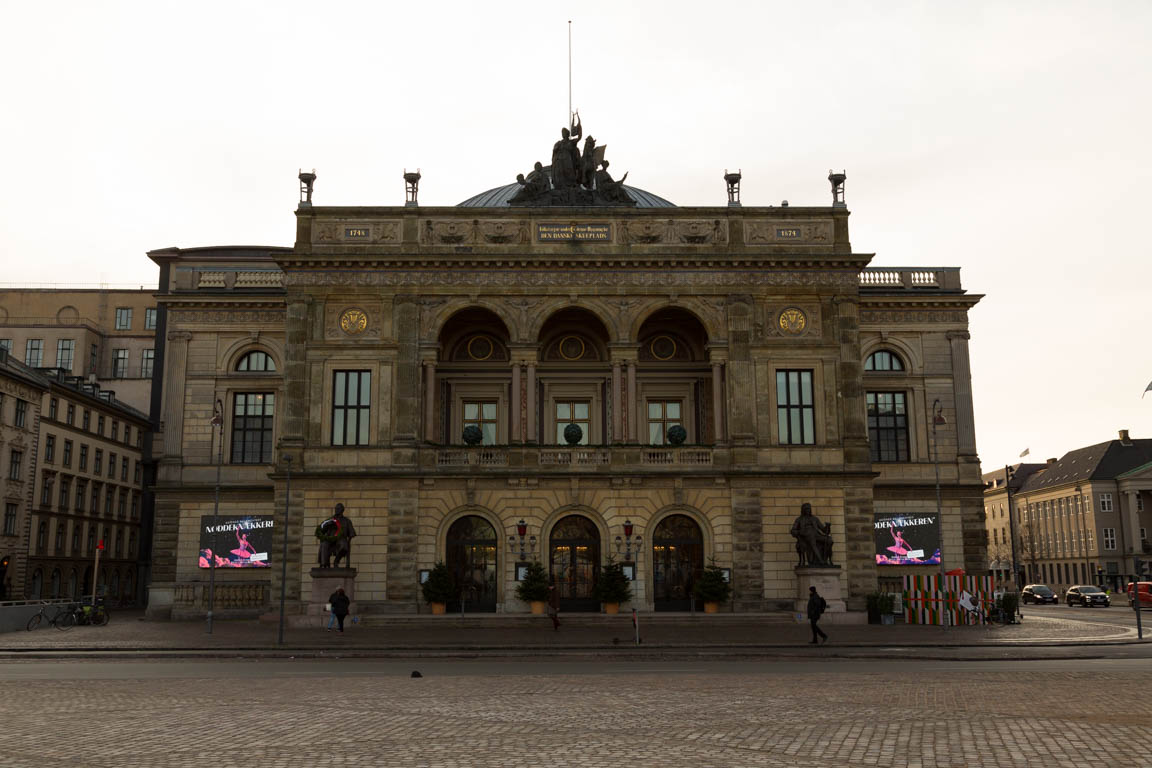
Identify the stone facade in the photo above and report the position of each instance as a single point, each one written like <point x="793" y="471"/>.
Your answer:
<point x="21" y="393"/>
<point x="748" y="327"/>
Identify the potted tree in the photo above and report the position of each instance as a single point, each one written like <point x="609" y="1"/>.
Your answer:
<point x="439" y="588"/>
<point x="881" y="605"/>
<point x="613" y="588"/>
<point x="534" y="588"/>
<point x="711" y="588"/>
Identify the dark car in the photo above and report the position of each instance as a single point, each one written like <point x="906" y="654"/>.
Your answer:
<point x="1087" y="596"/>
<point x="1038" y="593"/>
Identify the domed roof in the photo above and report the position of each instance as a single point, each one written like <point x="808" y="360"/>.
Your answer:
<point x="499" y="197"/>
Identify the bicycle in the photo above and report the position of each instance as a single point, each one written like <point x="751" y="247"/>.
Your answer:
<point x="95" y="617"/>
<point x="63" y="619"/>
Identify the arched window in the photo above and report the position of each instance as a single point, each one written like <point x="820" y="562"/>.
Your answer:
<point x="883" y="360"/>
<point x="256" y="361"/>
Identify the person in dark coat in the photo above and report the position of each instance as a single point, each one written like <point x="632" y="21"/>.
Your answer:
<point x="340" y="603"/>
<point x="816" y="606"/>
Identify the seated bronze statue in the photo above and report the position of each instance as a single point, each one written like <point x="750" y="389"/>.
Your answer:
<point x="813" y="539"/>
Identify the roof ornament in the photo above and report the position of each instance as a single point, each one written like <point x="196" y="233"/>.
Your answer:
<point x="575" y="178"/>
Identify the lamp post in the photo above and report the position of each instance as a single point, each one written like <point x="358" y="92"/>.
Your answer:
<point x="520" y="538"/>
<point x="626" y="542"/>
<point x="1084" y="535"/>
<point x="1008" y="473"/>
<point x="284" y="551"/>
<point x="938" y="418"/>
<point x="217" y="423"/>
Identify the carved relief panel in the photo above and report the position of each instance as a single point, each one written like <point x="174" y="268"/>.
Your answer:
<point x="352" y="232"/>
<point x="782" y="232"/>
<point x="352" y="318"/>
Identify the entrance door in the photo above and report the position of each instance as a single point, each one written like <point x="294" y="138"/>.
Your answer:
<point x="574" y="562"/>
<point x="677" y="560"/>
<point x="472" y="560"/>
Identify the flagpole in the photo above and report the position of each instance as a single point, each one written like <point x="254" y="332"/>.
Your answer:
<point x="569" y="71"/>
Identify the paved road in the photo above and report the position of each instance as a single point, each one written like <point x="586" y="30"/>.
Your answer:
<point x="532" y="713"/>
<point x="1118" y="614"/>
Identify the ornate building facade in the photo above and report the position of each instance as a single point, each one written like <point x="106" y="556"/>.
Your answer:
<point x="347" y="369"/>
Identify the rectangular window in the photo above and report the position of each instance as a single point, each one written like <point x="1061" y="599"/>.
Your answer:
<point x="100" y="425"/>
<point x="115" y="430"/>
<point x="482" y="414"/>
<point x="1109" y="538"/>
<point x="21" y="413"/>
<point x="93" y="358"/>
<point x="95" y="508"/>
<point x="128" y="434"/>
<point x="34" y="353"/>
<point x="86" y="420"/>
<point x="9" y="519"/>
<point x="124" y="469"/>
<point x="46" y="493"/>
<point x="252" y="417"/>
<point x="1105" y="502"/>
<point x="135" y="506"/>
<point x="109" y="497"/>
<point x="147" y="359"/>
<point x="65" y="492"/>
<point x="70" y="418"/>
<point x="81" y="494"/>
<point x="97" y="462"/>
<point x="794" y="409"/>
<point x="15" y="460"/>
<point x="662" y="416"/>
<point x="572" y="413"/>
<point x="1139" y="503"/>
<point x="65" y="350"/>
<point x="119" y="363"/>
<point x="66" y="458"/>
<point x="123" y="318"/>
<point x="6" y="345"/>
<point x="122" y="504"/>
<point x="50" y="449"/>
<point x="111" y="465"/>
<point x="136" y="473"/>
<point x="1143" y="534"/>
<point x="150" y="319"/>
<point x="888" y="427"/>
<point x="53" y="407"/>
<point x="351" y="407"/>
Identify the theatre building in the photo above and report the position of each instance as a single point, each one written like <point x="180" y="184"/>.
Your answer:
<point x="722" y="365"/>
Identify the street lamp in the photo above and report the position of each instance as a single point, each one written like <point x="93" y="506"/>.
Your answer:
<point x="1008" y="474"/>
<point x="627" y="541"/>
<point x="1084" y="534"/>
<point x="938" y="418"/>
<point x="217" y="423"/>
<point x="284" y="552"/>
<point x="520" y="538"/>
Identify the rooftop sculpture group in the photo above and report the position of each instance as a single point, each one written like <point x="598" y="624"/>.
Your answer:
<point x="574" y="178"/>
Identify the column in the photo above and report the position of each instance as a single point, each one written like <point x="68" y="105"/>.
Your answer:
<point x="175" y="373"/>
<point x="430" y="401"/>
<point x="962" y="387"/>
<point x="531" y="437"/>
<point x="617" y="403"/>
<point x="515" y="401"/>
<point x="717" y="402"/>
<point x="631" y="401"/>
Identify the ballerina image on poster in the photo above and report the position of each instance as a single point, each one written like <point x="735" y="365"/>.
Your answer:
<point x="244" y="550"/>
<point x="900" y="547"/>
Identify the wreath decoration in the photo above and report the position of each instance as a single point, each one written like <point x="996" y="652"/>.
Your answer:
<point x="329" y="531"/>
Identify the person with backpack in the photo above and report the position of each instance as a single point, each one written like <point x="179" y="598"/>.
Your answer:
<point x="816" y="607"/>
<point x="340" y="604"/>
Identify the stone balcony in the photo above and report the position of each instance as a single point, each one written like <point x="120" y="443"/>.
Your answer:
<point x="582" y="457"/>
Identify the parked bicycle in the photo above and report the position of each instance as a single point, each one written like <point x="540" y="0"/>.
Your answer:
<point x="89" y="615"/>
<point x="63" y="617"/>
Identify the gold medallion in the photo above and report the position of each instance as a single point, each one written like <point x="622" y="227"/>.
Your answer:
<point x="793" y="321"/>
<point x="353" y="321"/>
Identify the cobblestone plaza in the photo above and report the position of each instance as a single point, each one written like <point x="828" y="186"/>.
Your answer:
<point x="819" y="712"/>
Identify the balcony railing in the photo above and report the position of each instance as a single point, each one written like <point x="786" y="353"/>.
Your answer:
<point x="580" y="457"/>
<point x="472" y="457"/>
<point x="560" y="457"/>
<point x="911" y="278"/>
<point x="690" y="457"/>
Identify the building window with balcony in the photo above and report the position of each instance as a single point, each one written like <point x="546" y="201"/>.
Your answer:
<point x="1105" y="502"/>
<point x="65" y="351"/>
<point x="662" y="416"/>
<point x="10" y="519"/>
<point x="123" y="318"/>
<point x="119" y="363"/>
<point x="150" y="319"/>
<point x="15" y="459"/>
<point x="351" y="407"/>
<point x="252" y="422"/>
<point x="883" y="360"/>
<point x="147" y="360"/>
<point x="794" y="408"/>
<point x="49" y="449"/>
<point x="34" y="353"/>
<point x="21" y="413"/>
<point x="572" y="412"/>
<point x="1109" y="538"/>
<point x="482" y="414"/>
<point x="888" y="427"/>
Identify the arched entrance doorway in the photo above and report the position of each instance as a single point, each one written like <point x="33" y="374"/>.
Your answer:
<point x="574" y="562"/>
<point x="677" y="560"/>
<point x="471" y="549"/>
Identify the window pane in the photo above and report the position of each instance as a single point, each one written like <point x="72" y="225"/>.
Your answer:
<point x="363" y="436"/>
<point x="338" y="428"/>
<point x="560" y="433"/>
<point x="585" y="430"/>
<point x="782" y="423"/>
<point x="806" y="388"/>
<point x="563" y="411"/>
<point x="488" y="430"/>
<point x="656" y="433"/>
<point x="471" y="411"/>
<point x="809" y="428"/>
<point x="339" y="388"/>
<point x="673" y="410"/>
<point x="654" y="410"/>
<point x="365" y="388"/>
<point x="781" y="388"/>
<point x="581" y="410"/>
<point x="489" y="411"/>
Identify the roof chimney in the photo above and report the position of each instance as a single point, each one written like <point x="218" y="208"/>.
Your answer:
<point x="1124" y="439"/>
<point x="1051" y="462"/>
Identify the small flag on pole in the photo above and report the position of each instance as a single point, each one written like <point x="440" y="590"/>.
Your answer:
<point x="1147" y="389"/>
<point x="1027" y="451"/>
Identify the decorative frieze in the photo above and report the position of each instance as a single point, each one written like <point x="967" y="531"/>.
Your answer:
<point x="226" y="316"/>
<point x="787" y="231"/>
<point x="892" y="316"/>
<point x="353" y="231"/>
<point x="567" y="278"/>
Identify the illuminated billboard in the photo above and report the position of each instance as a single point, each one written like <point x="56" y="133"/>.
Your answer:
<point x="235" y="542"/>
<point x="911" y="539"/>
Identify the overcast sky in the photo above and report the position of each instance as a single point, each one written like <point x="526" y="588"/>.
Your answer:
<point x="1006" y="138"/>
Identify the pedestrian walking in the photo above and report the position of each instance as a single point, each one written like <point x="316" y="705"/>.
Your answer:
<point x="554" y="606"/>
<point x="816" y="607"/>
<point x="340" y="603"/>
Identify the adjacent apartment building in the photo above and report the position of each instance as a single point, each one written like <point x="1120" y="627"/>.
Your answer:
<point x="22" y="390"/>
<point x="1079" y="519"/>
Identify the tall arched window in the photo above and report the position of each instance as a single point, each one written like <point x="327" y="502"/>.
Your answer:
<point x="883" y="360"/>
<point x="256" y="361"/>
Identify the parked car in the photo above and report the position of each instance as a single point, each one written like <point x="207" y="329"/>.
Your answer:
<point x="1087" y="595"/>
<point x="1038" y="593"/>
<point x="1145" y="594"/>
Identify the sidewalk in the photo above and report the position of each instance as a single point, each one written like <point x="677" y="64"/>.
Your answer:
<point x="580" y="634"/>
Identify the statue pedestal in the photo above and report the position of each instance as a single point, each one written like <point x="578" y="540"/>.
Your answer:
<point x="325" y="581"/>
<point x="827" y="583"/>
